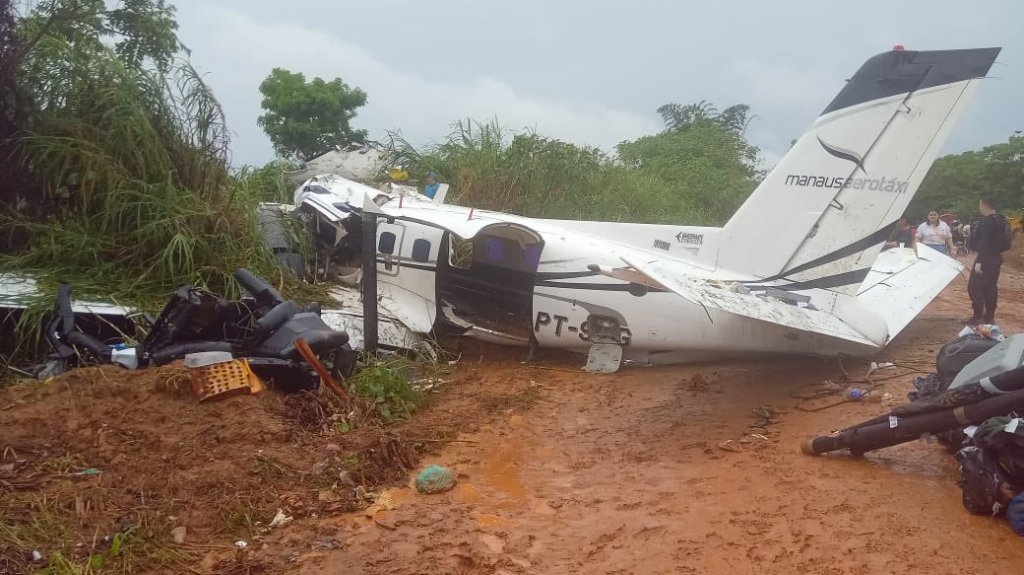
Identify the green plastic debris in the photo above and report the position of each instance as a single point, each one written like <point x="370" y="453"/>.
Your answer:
<point x="434" y="479"/>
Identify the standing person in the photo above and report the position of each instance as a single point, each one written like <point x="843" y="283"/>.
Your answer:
<point x="903" y="236"/>
<point x="936" y="234"/>
<point x="988" y="241"/>
<point x="431" y="185"/>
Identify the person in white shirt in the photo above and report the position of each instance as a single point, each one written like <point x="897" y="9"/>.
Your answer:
<point x="936" y="234"/>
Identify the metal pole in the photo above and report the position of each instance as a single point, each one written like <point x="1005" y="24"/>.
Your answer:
<point x="369" y="266"/>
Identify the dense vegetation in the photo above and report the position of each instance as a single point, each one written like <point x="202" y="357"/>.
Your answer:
<point x="117" y="174"/>
<point x="122" y="185"/>
<point x="698" y="170"/>
<point x="956" y="182"/>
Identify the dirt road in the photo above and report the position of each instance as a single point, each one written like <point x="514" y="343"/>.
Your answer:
<point x="692" y="469"/>
<point x="655" y="471"/>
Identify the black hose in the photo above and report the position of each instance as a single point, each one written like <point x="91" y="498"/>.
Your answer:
<point x="887" y="431"/>
<point x="180" y="350"/>
<point x="266" y="295"/>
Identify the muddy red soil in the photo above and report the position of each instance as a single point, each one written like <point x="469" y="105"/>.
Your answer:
<point x="654" y="471"/>
<point x="684" y="469"/>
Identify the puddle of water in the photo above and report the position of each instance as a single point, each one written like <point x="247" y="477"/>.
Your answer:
<point x="467" y="493"/>
<point x="494" y="484"/>
<point x="500" y="470"/>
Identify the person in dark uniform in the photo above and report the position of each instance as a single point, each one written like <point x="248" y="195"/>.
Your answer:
<point x="986" y="238"/>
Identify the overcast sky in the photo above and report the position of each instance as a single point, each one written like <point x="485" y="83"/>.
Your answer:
<point x="589" y="71"/>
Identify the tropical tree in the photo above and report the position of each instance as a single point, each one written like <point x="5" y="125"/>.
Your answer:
<point x="14" y="108"/>
<point x="696" y="171"/>
<point x="956" y="182"/>
<point x="703" y="155"/>
<point x="683" y="116"/>
<point x="50" y="62"/>
<point x="307" y="119"/>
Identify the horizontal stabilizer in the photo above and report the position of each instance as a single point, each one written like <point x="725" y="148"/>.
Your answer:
<point x="900" y="285"/>
<point x="735" y="299"/>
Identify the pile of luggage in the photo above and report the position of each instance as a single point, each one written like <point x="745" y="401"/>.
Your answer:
<point x="973" y="404"/>
<point x="990" y="454"/>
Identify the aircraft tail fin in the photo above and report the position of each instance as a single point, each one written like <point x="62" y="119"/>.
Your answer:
<point x="825" y="210"/>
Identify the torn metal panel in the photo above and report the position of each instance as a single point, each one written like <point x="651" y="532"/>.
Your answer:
<point x="348" y="317"/>
<point x="18" y="291"/>
<point x="724" y="297"/>
<point x="603" y="358"/>
<point x="355" y="162"/>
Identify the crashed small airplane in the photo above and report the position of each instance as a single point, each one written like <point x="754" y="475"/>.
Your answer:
<point x="799" y="269"/>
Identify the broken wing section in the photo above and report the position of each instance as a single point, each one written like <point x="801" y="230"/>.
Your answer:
<point x="900" y="285"/>
<point x="862" y="327"/>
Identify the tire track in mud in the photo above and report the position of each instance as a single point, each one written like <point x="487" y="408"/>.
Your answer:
<point x="625" y="474"/>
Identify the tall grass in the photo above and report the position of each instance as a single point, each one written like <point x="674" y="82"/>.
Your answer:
<point x="137" y="171"/>
<point x="267" y="183"/>
<point x="490" y="167"/>
<point x="133" y="169"/>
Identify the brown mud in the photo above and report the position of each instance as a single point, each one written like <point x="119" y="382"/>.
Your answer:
<point x="658" y="471"/>
<point x="683" y="469"/>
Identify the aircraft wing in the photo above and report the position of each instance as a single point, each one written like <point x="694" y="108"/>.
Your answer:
<point x="732" y="298"/>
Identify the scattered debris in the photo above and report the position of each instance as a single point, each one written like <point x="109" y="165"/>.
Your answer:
<point x="1015" y="514"/>
<point x="766" y="415"/>
<point x="729" y="445"/>
<point x="384" y="524"/>
<point x="971" y="404"/>
<point x="383" y="502"/>
<point x="699" y="384"/>
<point x="216" y="374"/>
<point x="280" y="519"/>
<point x="328" y="497"/>
<point x="434" y="479"/>
<point x="178" y="534"/>
<point x="231" y="345"/>
<point x="345" y="478"/>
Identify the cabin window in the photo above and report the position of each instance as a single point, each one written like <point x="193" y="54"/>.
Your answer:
<point x="496" y="250"/>
<point x="421" y="250"/>
<point x="531" y="256"/>
<point x="386" y="244"/>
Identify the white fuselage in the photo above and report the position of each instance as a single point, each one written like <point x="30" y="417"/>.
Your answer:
<point x="654" y="325"/>
<point x="799" y="268"/>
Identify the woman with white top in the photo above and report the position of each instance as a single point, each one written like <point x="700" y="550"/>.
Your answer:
<point x="936" y="234"/>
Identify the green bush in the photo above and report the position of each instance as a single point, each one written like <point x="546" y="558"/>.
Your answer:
<point x="389" y="385"/>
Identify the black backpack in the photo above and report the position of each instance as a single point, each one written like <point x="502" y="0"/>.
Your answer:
<point x="1005" y="239"/>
